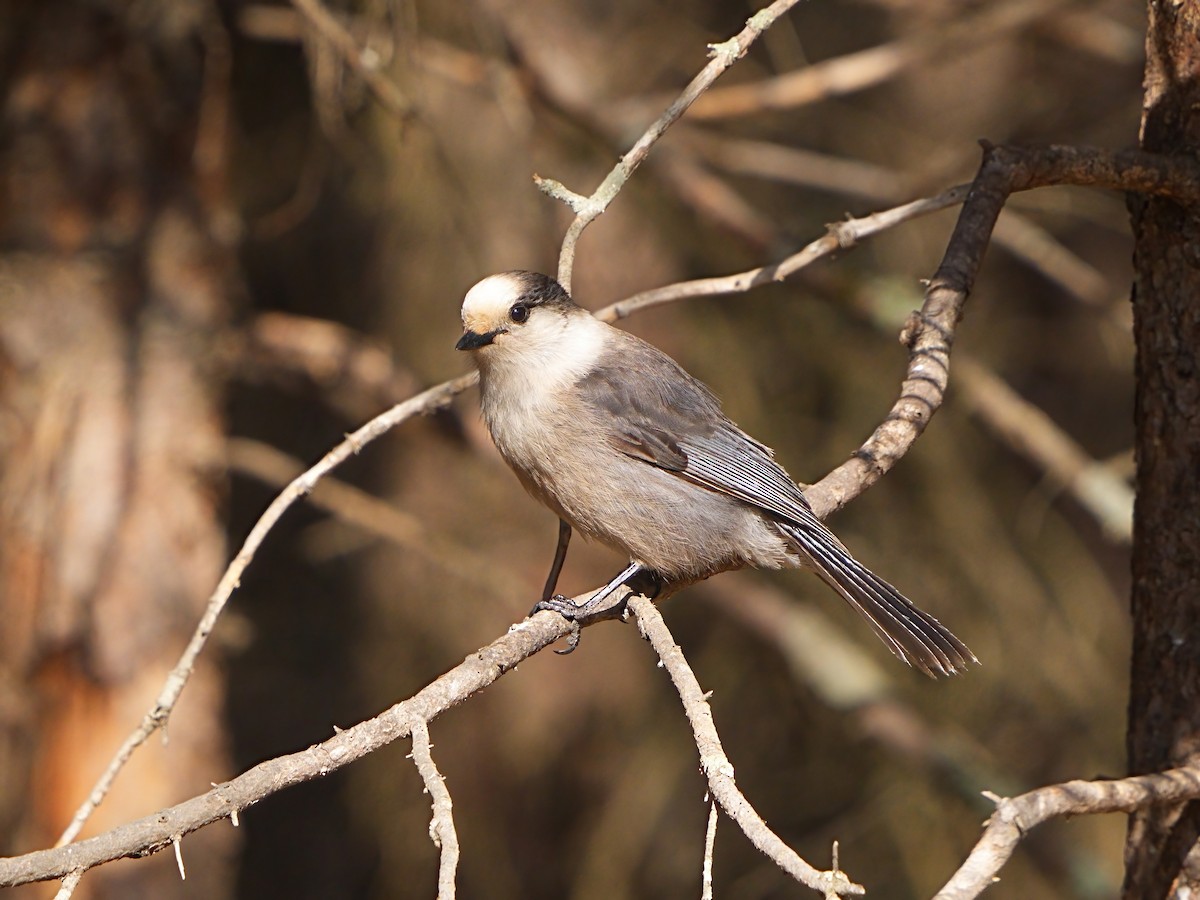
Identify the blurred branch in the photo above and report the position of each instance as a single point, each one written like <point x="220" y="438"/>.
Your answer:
<point x="364" y="62"/>
<point x="280" y="346"/>
<point x="1097" y="485"/>
<point x="441" y="828"/>
<point x="587" y="209"/>
<point x="1016" y="817"/>
<point x="356" y="507"/>
<point x="797" y="165"/>
<point x="1033" y="434"/>
<point x="716" y="765"/>
<point x="1015" y="231"/>
<point x="858" y="71"/>
<point x="1041" y="251"/>
<point x="1093" y="32"/>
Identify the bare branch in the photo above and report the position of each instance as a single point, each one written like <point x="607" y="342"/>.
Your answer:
<point x="159" y="830"/>
<point x="716" y="765"/>
<point x="588" y="209"/>
<point x="710" y="842"/>
<point x="1016" y="817"/>
<point x="69" y="883"/>
<point x="441" y="828"/>
<point x="930" y="331"/>
<point x="840" y="236"/>
<point x="157" y="716"/>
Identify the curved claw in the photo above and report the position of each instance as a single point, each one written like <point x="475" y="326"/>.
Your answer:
<point x="564" y="606"/>
<point x="573" y="640"/>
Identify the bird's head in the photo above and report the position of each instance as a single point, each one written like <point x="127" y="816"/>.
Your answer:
<point x="521" y="313"/>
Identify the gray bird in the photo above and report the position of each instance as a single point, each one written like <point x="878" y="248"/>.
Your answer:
<point x="626" y="447"/>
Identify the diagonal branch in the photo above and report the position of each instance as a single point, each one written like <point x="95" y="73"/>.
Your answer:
<point x="1015" y="817"/>
<point x="716" y="765"/>
<point x="156" y="717"/>
<point x="930" y="331"/>
<point x="587" y="209"/>
<point x="159" y="830"/>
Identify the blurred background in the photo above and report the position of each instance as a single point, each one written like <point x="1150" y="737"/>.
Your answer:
<point x="223" y="249"/>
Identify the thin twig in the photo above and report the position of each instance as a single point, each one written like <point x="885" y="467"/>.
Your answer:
<point x="710" y="842"/>
<point x="157" y="716"/>
<point x="716" y="765"/>
<point x="1016" y="817"/>
<point x="69" y="883"/>
<point x="1015" y="232"/>
<point x="441" y="827"/>
<point x="587" y="209"/>
<point x="841" y="236"/>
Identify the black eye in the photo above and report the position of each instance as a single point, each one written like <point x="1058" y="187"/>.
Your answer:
<point x="519" y="313"/>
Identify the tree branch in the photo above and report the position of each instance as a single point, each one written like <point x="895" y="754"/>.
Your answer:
<point x="441" y="827"/>
<point x="930" y="331"/>
<point x="716" y="765"/>
<point x="1016" y="817"/>
<point x="158" y="831"/>
<point x="587" y="209"/>
<point x="854" y="72"/>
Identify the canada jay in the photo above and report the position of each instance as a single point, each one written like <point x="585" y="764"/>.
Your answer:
<point x="628" y="448"/>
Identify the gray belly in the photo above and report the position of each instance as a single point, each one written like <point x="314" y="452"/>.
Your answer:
<point x="655" y="517"/>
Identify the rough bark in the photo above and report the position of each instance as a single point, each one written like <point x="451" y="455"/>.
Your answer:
<point x="113" y="288"/>
<point x="1162" y="852"/>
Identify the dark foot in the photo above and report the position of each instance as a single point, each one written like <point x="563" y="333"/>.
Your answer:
<point x="602" y="606"/>
<point x="569" y="610"/>
<point x="564" y="606"/>
<point x="606" y="603"/>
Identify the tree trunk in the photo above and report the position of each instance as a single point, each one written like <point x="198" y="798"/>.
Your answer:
<point x="1162" y="850"/>
<point x="113" y="289"/>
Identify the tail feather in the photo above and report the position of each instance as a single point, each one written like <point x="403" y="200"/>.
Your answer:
<point x="908" y="631"/>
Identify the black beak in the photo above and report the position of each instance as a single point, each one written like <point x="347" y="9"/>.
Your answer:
<point x="473" y="341"/>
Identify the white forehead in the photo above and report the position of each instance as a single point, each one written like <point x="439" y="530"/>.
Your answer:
<point x="491" y="298"/>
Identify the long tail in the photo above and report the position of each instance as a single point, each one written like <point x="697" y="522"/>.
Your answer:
<point x="909" y="632"/>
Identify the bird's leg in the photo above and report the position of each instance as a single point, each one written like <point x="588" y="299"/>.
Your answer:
<point x="598" y="603"/>
<point x="568" y="609"/>
<point x="560" y="556"/>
